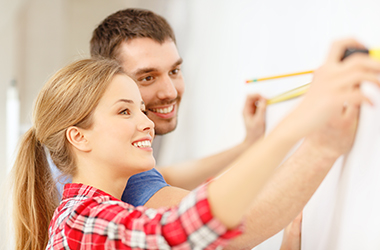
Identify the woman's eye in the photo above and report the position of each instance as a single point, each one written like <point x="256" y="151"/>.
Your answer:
<point x="125" y="112"/>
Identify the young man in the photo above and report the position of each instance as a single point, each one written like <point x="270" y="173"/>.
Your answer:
<point x="145" y="45"/>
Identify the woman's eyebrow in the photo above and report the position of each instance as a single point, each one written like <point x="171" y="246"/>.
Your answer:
<point x="124" y="100"/>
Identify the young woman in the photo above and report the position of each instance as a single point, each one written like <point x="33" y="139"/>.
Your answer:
<point x="90" y="118"/>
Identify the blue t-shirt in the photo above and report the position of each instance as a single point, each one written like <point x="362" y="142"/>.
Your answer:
<point x="142" y="186"/>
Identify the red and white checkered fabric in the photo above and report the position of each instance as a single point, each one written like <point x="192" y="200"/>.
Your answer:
<point x="89" y="218"/>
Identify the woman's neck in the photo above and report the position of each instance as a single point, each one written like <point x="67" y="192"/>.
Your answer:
<point x="103" y="180"/>
<point x="115" y="190"/>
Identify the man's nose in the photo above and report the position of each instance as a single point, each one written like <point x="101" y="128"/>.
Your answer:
<point x="167" y="89"/>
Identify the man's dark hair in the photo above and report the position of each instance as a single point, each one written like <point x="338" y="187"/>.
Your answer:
<point x="125" y="25"/>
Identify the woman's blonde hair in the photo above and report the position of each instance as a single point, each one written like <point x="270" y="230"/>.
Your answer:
<point x="67" y="99"/>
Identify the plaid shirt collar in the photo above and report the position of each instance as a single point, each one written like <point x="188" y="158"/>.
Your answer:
<point x="82" y="191"/>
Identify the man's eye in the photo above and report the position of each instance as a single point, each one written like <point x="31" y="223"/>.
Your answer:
<point x="174" y="71"/>
<point x="148" y="78"/>
<point x="125" y="112"/>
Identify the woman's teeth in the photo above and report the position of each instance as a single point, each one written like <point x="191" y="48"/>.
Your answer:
<point x="142" y="144"/>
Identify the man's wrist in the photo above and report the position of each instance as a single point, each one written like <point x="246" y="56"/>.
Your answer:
<point x="320" y="151"/>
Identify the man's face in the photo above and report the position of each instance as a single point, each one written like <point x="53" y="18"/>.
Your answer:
<point x="156" y="68"/>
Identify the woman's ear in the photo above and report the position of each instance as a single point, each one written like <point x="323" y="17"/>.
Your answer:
<point x="76" y="137"/>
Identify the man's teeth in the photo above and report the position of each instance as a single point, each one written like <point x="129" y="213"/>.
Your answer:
<point x="142" y="144"/>
<point x="164" y="111"/>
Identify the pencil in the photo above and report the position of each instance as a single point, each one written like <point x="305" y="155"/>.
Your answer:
<point x="289" y="94"/>
<point x="374" y="53"/>
<point x="279" y="76"/>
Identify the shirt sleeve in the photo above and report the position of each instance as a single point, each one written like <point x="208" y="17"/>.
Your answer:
<point x="142" y="186"/>
<point x="117" y="225"/>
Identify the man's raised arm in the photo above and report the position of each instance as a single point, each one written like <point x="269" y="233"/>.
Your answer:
<point x="189" y="175"/>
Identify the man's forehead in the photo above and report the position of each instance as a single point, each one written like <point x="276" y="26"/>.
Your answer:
<point x="145" y="53"/>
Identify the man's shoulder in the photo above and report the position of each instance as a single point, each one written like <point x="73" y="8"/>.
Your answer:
<point x="148" y="174"/>
<point x="142" y="186"/>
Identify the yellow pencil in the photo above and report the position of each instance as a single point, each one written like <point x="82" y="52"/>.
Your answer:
<point x="289" y="94"/>
<point x="374" y="53"/>
<point x="279" y="76"/>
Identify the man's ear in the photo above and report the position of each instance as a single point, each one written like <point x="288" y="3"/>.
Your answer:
<point x="76" y="137"/>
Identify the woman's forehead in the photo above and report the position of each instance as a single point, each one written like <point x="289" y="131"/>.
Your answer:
<point x="123" y="87"/>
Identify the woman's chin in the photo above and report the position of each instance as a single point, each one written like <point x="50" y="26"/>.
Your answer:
<point x="148" y="166"/>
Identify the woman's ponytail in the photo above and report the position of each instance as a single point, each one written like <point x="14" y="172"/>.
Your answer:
<point x="34" y="194"/>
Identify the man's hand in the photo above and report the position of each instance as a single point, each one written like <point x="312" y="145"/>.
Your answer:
<point x="254" y="118"/>
<point x="292" y="235"/>
<point x="191" y="174"/>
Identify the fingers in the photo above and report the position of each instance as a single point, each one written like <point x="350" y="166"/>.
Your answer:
<point x="363" y="61"/>
<point x="292" y="235"/>
<point x="353" y="79"/>
<point x="354" y="98"/>
<point x="350" y="112"/>
<point x="357" y="67"/>
<point x="254" y="117"/>
<point x="338" y="48"/>
<point x="249" y="106"/>
<point x="360" y="68"/>
<point x="298" y="221"/>
<point x="296" y="225"/>
<point x="254" y="104"/>
<point x="261" y="107"/>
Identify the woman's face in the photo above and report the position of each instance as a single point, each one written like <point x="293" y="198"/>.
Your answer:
<point x="121" y="134"/>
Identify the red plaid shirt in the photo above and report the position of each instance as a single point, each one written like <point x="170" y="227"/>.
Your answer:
<point x="89" y="218"/>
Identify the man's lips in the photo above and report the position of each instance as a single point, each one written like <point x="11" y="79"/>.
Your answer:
<point x="164" y="112"/>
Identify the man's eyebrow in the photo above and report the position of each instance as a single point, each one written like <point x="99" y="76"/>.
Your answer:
<point x="124" y="100"/>
<point x="151" y="69"/>
<point x="178" y="62"/>
<point x="144" y="71"/>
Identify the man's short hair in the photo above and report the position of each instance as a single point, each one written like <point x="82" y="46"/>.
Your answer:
<point x="125" y="25"/>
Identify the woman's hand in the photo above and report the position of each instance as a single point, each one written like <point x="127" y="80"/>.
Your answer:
<point x="335" y="85"/>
